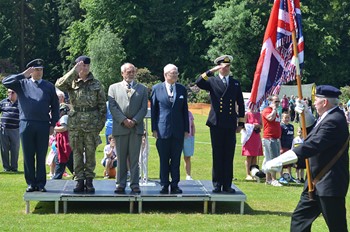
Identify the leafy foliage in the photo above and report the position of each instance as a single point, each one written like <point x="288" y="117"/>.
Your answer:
<point x="153" y="33"/>
<point x="107" y="55"/>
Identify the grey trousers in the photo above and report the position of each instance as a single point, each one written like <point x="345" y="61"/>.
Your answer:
<point x="9" y="140"/>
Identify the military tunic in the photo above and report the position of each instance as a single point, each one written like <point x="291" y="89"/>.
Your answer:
<point x="222" y="121"/>
<point x="85" y="120"/>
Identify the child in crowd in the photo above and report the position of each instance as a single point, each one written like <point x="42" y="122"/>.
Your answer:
<point x="52" y="154"/>
<point x="64" y="156"/>
<point x="301" y="163"/>
<point x="251" y="141"/>
<point x="109" y="160"/>
<point x="143" y="159"/>
<point x="287" y="137"/>
<point x="188" y="148"/>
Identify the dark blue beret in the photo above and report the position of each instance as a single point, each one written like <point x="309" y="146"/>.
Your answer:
<point x="37" y="63"/>
<point x="85" y="59"/>
<point x="327" y="91"/>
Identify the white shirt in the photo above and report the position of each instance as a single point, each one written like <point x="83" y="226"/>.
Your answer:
<point x="226" y="78"/>
<point x="167" y="85"/>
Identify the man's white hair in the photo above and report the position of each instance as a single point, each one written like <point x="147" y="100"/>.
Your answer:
<point x="123" y="67"/>
<point x="170" y="67"/>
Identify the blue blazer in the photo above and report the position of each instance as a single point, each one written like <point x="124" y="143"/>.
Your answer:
<point x="169" y="119"/>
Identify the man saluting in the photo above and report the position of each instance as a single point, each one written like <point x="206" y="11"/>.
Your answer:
<point x="225" y="93"/>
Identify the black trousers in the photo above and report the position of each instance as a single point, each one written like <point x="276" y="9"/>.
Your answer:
<point x="332" y="208"/>
<point x="223" y="142"/>
<point x="169" y="151"/>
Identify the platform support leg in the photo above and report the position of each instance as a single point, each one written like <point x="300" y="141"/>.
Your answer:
<point x="27" y="207"/>
<point x="131" y="208"/>
<point x="242" y="207"/>
<point x="140" y="206"/>
<point x="65" y="207"/>
<point x="56" y="207"/>
<point x="213" y="206"/>
<point x="205" y="207"/>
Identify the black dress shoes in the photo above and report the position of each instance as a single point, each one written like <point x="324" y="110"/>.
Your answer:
<point x="164" y="190"/>
<point x="135" y="190"/>
<point x="119" y="190"/>
<point x="176" y="190"/>
<point x="229" y="190"/>
<point x="43" y="189"/>
<point x="30" y="189"/>
<point x="217" y="190"/>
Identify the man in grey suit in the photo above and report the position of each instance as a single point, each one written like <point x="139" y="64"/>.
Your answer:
<point x="128" y="105"/>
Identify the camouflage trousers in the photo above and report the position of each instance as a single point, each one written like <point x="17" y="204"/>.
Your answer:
<point x="84" y="146"/>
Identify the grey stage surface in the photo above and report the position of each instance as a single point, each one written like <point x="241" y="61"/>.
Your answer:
<point x="193" y="190"/>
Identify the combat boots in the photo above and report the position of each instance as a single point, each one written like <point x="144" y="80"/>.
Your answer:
<point x="79" y="187"/>
<point x="89" y="187"/>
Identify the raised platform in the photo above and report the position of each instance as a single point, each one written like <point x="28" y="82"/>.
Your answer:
<point x="193" y="190"/>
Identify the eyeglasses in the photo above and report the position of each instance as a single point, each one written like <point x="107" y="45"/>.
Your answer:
<point x="10" y="92"/>
<point x="173" y="73"/>
<point x="276" y="101"/>
<point x="38" y="69"/>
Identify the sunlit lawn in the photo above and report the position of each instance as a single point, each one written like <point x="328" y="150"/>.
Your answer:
<point x="267" y="208"/>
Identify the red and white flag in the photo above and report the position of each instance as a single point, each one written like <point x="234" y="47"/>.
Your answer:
<point x="276" y="65"/>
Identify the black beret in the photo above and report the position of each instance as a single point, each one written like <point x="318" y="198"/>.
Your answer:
<point x="37" y="63"/>
<point x="327" y="91"/>
<point x="85" y="59"/>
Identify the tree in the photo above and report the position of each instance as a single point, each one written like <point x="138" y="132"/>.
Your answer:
<point x="107" y="54"/>
<point x="238" y="29"/>
<point x="327" y="47"/>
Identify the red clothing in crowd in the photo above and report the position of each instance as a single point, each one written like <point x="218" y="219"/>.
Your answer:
<point x="272" y="129"/>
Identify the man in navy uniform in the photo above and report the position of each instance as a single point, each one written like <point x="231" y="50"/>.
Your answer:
<point x="223" y="120"/>
<point x="39" y="112"/>
<point x="326" y="140"/>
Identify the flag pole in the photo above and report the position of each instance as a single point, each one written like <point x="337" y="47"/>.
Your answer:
<point x="303" y="124"/>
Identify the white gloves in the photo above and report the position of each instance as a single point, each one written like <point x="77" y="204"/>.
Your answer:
<point x="300" y="107"/>
<point x="275" y="165"/>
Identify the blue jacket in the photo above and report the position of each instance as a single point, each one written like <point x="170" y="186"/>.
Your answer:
<point x="169" y="118"/>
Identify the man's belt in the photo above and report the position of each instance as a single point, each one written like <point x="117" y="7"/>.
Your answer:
<point x="85" y="109"/>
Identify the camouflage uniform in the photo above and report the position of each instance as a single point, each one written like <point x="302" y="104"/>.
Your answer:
<point x="86" y="120"/>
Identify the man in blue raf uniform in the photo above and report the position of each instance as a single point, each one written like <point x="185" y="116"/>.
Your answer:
<point x="225" y="93"/>
<point x="326" y="147"/>
<point x="39" y="112"/>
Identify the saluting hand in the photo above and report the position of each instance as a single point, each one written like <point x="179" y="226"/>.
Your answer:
<point x="218" y="67"/>
<point x="28" y="72"/>
<point x="78" y="66"/>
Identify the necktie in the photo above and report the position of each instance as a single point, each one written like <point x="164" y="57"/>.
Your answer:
<point x="36" y="82"/>
<point x="129" y="85"/>
<point x="224" y="81"/>
<point x="171" y="97"/>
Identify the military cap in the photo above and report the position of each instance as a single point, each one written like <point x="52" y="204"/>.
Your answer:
<point x="37" y="63"/>
<point x="85" y="59"/>
<point x="223" y="59"/>
<point x="327" y="91"/>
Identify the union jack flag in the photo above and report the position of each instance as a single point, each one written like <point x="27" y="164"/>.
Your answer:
<point x="276" y="65"/>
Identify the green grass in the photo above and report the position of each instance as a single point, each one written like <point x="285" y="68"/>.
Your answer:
<point x="267" y="208"/>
